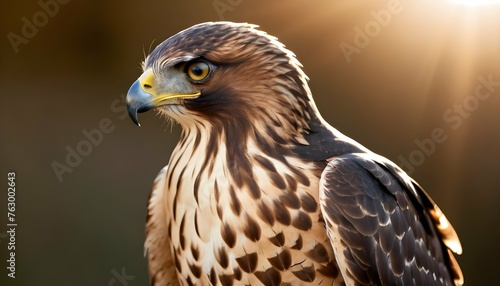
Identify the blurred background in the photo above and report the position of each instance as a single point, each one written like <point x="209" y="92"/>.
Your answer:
<point x="416" y="81"/>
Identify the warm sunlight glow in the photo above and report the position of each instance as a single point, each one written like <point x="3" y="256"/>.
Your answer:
<point x="476" y="2"/>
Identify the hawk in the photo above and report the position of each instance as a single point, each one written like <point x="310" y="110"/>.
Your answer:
<point x="261" y="190"/>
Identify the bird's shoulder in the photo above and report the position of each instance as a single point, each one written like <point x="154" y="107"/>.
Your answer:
<point x="383" y="226"/>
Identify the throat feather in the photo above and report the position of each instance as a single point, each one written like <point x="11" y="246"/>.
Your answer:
<point x="225" y="196"/>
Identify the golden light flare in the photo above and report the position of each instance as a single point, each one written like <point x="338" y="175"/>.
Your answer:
<point x="476" y="2"/>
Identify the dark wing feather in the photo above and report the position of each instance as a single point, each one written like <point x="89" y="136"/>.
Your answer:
<point x="384" y="228"/>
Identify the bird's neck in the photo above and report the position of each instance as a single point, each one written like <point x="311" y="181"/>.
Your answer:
<point x="218" y="186"/>
<point x="218" y="155"/>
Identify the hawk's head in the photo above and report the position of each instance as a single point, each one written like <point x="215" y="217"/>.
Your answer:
<point x="225" y="74"/>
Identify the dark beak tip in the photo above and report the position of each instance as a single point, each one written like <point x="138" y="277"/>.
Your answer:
<point x="135" y="119"/>
<point x="132" y="113"/>
<point x="138" y="101"/>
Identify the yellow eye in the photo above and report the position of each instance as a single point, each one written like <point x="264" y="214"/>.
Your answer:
<point x="198" y="71"/>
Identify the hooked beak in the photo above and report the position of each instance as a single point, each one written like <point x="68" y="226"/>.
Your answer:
<point x="144" y="95"/>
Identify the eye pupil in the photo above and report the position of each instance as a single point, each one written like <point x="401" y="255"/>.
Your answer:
<point x="197" y="70"/>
